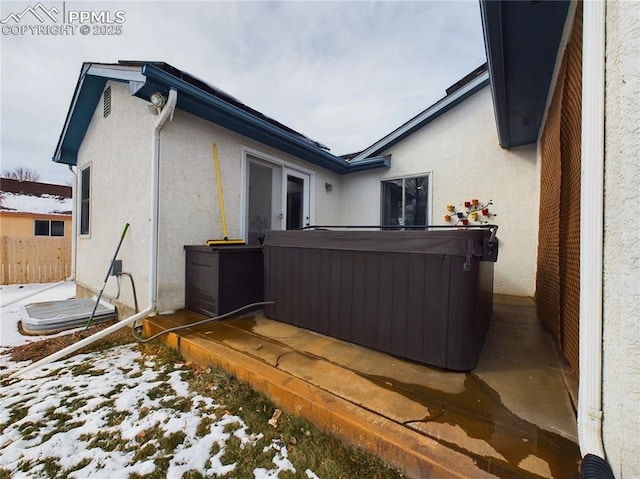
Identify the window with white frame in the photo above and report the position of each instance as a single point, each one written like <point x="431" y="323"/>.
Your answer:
<point x="85" y="196"/>
<point x="405" y="201"/>
<point x="48" y="228"/>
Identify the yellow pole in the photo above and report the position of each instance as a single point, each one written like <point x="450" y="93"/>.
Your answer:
<point x="224" y="221"/>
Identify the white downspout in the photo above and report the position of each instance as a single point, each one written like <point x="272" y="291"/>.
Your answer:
<point x="73" y="247"/>
<point x="74" y="223"/>
<point x="164" y="115"/>
<point x="592" y="230"/>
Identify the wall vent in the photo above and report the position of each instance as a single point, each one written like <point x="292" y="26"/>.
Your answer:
<point x="106" y="102"/>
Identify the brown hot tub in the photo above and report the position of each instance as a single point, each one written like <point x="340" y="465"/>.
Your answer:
<point x="422" y="295"/>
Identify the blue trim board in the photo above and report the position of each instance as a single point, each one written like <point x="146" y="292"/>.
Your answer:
<point x="521" y="41"/>
<point x="215" y="106"/>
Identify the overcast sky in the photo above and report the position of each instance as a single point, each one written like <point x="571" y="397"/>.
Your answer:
<point x="342" y="73"/>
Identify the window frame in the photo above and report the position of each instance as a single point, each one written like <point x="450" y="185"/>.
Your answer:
<point x="49" y="223"/>
<point x="428" y="175"/>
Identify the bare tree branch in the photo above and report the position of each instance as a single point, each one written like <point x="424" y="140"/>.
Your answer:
<point x="21" y="174"/>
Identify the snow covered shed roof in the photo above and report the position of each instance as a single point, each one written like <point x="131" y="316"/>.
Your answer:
<point x="33" y="197"/>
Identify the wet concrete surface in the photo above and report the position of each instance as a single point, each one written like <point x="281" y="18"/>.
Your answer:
<point x="512" y="416"/>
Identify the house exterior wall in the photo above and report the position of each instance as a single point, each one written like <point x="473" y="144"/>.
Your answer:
<point x="189" y="204"/>
<point x="460" y="149"/>
<point x="621" y="307"/>
<point x="118" y="149"/>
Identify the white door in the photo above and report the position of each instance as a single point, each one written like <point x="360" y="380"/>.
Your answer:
<point x="278" y="198"/>
<point x="296" y="199"/>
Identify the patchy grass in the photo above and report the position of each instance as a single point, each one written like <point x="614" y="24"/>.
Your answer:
<point x="149" y="413"/>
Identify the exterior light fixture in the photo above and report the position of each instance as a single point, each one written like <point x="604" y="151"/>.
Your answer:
<point x="328" y="187"/>
<point x="158" y="100"/>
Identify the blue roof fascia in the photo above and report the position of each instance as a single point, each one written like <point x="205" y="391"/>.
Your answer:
<point x="491" y="16"/>
<point x="85" y="100"/>
<point x="522" y="41"/>
<point x="146" y="79"/>
<point x="424" y="118"/>
<point x="370" y="163"/>
<point x="207" y="106"/>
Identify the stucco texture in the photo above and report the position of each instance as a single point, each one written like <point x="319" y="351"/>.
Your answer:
<point x="621" y="309"/>
<point x="189" y="205"/>
<point x="460" y="149"/>
<point x="118" y="149"/>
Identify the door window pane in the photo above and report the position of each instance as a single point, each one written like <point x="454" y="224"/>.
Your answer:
<point x="415" y="201"/>
<point x="392" y="203"/>
<point x="295" y="189"/>
<point x="405" y="201"/>
<point x="260" y="195"/>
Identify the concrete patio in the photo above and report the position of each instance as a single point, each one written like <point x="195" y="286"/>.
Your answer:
<point x="512" y="416"/>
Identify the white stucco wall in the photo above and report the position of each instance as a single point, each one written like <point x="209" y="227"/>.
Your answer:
<point x="118" y="148"/>
<point x="621" y="358"/>
<point x="461" y="151"/>
<point x="189" y="205"/>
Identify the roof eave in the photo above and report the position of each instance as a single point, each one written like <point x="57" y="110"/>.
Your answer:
<point x="491" y="16"/>
<point x="522" y="43"/>
<point x="427" y="116"/>
<point x="194" y="100"/>
<point x="86" y="95"/>
<point x="145" y="79"/>
<point x="369" y="163"/>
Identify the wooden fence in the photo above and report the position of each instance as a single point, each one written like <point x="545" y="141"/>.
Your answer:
<point x="34" y="259"/>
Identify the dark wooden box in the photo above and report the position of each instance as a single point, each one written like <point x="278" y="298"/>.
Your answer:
<point x="221" y="279"/>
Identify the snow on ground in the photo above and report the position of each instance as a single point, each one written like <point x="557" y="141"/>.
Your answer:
<point x="106" y="415"/>
<point x="67" y="414"/>
<point x="10" y="315"/>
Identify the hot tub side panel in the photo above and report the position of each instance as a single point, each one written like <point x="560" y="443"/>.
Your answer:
<point x="422" y="307"/>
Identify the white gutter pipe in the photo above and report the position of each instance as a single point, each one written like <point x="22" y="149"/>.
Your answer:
<point x="74" y="224"/>
<point x="164" y="115"/>
<point x="73" y="248"/>
<point x="591" y="230"/>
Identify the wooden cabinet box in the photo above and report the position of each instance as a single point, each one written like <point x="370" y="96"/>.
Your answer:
<point x="221" y="279"/>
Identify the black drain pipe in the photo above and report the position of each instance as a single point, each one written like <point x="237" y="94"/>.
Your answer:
<point x="594" y="467"/>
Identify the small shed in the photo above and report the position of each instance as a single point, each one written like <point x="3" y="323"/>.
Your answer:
<point x="35" y="231"/>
